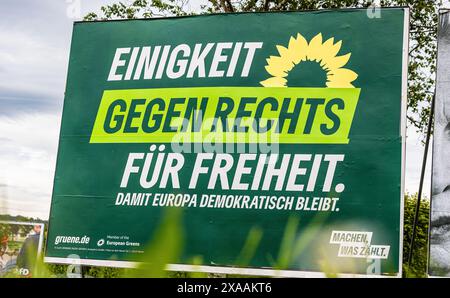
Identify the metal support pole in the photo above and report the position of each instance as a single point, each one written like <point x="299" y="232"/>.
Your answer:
<point x="422" y="176"/>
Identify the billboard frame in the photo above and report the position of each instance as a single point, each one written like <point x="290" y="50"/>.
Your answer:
<point x="271" y="272"/>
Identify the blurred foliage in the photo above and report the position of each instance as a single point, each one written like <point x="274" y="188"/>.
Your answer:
<point x="418" y="266"/>
<point x="423" y="32"/>
<point x="164" y="250"/>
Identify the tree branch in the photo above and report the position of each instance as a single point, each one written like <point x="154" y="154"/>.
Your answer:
<point x="230" y="6"/>
<point x="223" y="5"/>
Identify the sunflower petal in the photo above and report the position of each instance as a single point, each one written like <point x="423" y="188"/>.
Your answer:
<point x="315" y="47"/>
<point x="274" y="82"/>
<point x="275" y="70"/>
<point x="344" y="73"/>
<point x="334" y="49"/>
<point x="329" y="42"/>
<point x="282" y="50"/>
<point x="335" y="62"/>
<point x="341" y="78"/>
<point x="277" y="66"/>
<point x="298" y="48"/>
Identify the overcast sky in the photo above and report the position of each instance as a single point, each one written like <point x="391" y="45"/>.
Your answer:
<point x="34" y="51"/>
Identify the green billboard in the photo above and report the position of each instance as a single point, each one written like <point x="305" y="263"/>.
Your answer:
<point x="289" y="126"/>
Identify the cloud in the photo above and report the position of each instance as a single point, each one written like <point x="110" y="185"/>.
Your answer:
<point x="33" y="64"/>
<point x="27" y="163"/>
<point x="34" y="52"/>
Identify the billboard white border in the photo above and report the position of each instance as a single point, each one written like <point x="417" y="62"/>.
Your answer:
<point x="403" y="131"/>
<point x="294" y="273"/>
<point x="268" y="272"/>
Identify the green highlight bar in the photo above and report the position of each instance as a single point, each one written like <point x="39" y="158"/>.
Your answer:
<point x="226" y="115"/>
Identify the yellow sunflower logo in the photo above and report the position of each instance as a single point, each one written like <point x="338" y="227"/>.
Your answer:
<point x="299" y="50"/>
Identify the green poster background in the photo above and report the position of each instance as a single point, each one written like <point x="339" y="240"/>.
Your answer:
<point x="88" y="174"/>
